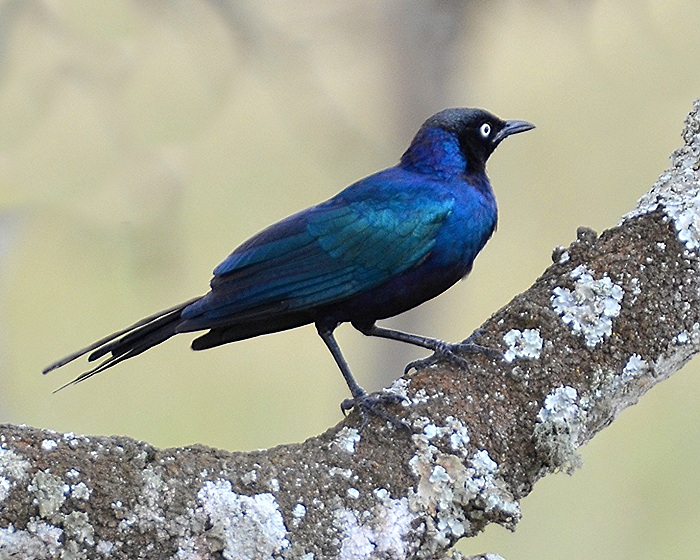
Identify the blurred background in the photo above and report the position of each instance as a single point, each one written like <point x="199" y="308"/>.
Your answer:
<point x="141" y="142"/>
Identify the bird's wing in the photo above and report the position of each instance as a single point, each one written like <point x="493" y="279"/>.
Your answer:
<point x="318" y="257"/>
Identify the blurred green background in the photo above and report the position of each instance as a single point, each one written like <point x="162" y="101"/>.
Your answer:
<point x="142" y="141"/>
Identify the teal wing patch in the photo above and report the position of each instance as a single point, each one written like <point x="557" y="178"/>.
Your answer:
<point x="318" y="257"/>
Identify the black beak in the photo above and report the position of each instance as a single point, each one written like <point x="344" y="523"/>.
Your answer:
<point x="512" y="127"/>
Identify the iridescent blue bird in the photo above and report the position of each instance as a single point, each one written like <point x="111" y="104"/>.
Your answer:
<point x="382" y="246"/>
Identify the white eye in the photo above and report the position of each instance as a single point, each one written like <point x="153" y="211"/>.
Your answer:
<point x="485" y="130"/>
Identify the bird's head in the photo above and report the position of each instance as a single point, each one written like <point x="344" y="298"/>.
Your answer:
<point x="459" y="141"/>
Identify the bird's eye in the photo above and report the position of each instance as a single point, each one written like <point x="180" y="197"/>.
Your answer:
<point x="485" y="130"/>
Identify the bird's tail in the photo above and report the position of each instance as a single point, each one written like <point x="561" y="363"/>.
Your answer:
<point x="126" y="343"/>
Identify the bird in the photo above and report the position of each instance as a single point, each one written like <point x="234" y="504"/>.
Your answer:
<point x="381" y="246"/>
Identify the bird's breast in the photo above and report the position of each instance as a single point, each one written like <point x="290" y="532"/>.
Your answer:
<point x="469" y="226"/>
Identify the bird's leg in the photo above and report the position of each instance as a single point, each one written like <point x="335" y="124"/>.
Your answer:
<point x="365" y="403"/>
<point x="439" y="347"/>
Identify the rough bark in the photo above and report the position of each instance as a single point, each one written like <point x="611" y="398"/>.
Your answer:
<point x="614" y="315"/>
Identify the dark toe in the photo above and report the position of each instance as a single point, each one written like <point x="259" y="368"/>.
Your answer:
<point x="373" y="404"/>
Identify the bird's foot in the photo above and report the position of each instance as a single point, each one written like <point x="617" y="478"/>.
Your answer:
<point x="453" y="352"/>
<point x="468" y="345"/>
<point x="372" y="404"/>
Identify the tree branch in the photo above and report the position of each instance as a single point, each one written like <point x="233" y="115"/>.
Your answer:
<point x="613" y="316"/>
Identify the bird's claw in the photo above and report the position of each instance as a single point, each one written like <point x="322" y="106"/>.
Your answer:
<point x="474" y="348"/>
<point x="372" y="404"/>
<point x="452" y="352"/>
<point x="446" y="351"/>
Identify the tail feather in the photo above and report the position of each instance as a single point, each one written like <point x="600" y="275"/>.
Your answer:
<point x="249" y="329"/>
<point x="126" y="343"/>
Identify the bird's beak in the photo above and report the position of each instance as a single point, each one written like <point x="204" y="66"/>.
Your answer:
<point x="512" y="127"/>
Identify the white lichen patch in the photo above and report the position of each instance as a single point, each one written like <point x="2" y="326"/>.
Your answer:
<point x="153" y="510"/>
<point x="451" y="483"/>
<point x="49" y="444"/>
<point x="77" y="527"/>
<point x="49" y="493"/>
<point x="147" y="513"/>
<point x="73" y="474"/>
<point x="689" y="337"/>
<point x="381" y="494"/>
<point x="80" y="491"/>
<point x="677" y="190"/>
<point x="39" y="541"/>
<point x="454" y="432"/>
<point x="400" y="388"/>
<point x="679" y="197"/>
<point x="484" y="483"/>
<point x="591" y="307"/>
<point x="357" y="540"/>
<point x="104" y="548"/>
<point x="345" y="473"/>
<point x="13" y="465"/>
<point x="250" y="477"/>
<point x="420" y="397"/>
<point x="448" y="487"/>
<point x="5" y="486"/>
<point x="189" y="548"/>
<point x="560" y="255"/>
<point x="74" y="440"/>
<point x="346" y="439"/>
<point x="559" y="425"/>
<point x="525" y="344"/>
<point x="684" y="211"/>
<point x="634" y="367"/>
<point x="249" y="527"/>
<point x="381" y="534"/>
<point x="298" y="513"/>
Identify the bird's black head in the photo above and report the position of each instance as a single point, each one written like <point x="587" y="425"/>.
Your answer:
<point x="477" y="132"/>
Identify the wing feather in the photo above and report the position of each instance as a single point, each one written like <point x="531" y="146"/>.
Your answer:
<point x="323" y="255"/>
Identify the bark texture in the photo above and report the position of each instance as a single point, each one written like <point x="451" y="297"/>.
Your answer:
<point x="614" y="315"/>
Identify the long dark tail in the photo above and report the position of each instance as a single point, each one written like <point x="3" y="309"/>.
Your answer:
<point x="126" y="343"/>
